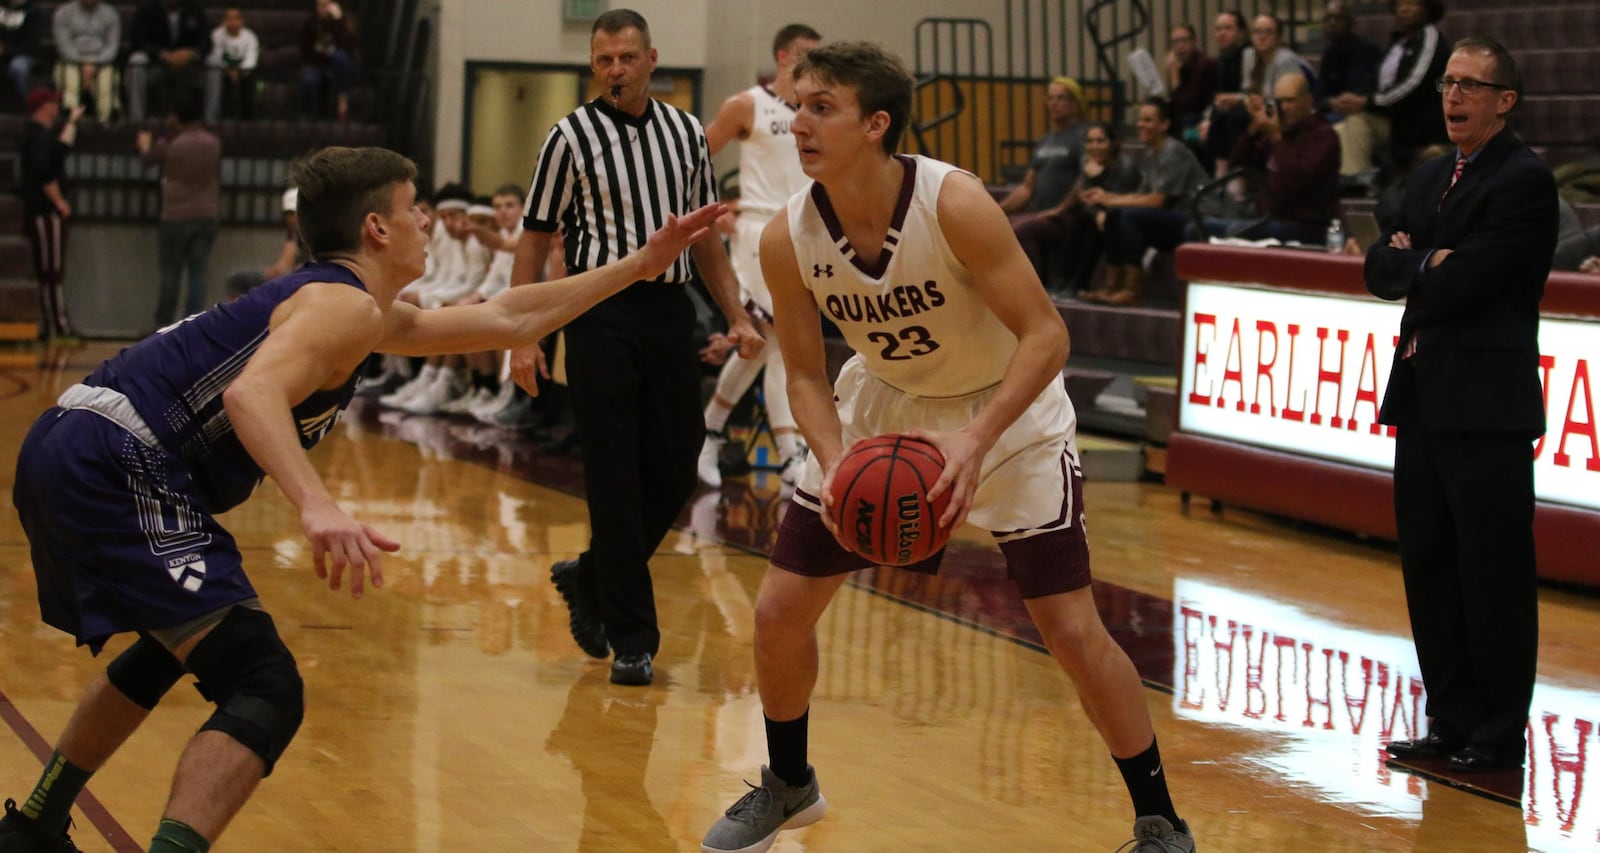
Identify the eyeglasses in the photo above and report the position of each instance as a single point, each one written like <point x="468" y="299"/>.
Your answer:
<point x="1467" y="85"/>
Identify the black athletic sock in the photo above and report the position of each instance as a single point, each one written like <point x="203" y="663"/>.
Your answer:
<point x="1147" y="784"/>
<point x="50" y="804"/>
<point x="175" y="836"/>
<point x="786" y="748"/>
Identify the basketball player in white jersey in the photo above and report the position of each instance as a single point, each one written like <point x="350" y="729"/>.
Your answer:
<point x="769" y="173"/>
<point x="957" y="342"/>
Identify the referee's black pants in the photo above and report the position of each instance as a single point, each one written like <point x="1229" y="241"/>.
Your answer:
<point x="634" y="379"/>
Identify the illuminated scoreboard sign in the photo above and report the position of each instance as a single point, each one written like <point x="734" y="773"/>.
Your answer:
<point x="1305" y="374"/>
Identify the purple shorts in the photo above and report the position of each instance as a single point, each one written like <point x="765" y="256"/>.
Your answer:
<point x="120" y="540"/>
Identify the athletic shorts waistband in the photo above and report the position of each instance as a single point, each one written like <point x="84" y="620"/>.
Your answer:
<point x="112" y="405"/>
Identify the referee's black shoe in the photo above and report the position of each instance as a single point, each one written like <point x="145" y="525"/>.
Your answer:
<point x="633" y="670"/>
<point x="587" y="629"/>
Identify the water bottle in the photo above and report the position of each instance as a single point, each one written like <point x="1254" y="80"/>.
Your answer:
<point x="1335" y="237"/>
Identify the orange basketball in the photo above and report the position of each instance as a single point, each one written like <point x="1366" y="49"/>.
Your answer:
<point x="880" y="500"/>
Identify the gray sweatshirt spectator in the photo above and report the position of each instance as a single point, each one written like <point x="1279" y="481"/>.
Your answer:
<point x="88" y="35"/>
<point x="87" y="32"/>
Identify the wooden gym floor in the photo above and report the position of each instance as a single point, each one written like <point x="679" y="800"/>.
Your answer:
<point x="451" y="711"/>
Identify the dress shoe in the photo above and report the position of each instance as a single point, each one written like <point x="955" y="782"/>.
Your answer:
<point x="1434" y="745"/>
<point x="1477" y="758"/>
<point x="587" y="629"/>
<point x="632" y="670"/>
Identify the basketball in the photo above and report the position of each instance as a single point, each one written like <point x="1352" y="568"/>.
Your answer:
<point x="880" y="500"/>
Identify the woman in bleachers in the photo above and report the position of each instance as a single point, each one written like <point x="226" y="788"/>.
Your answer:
<point x="1152" y="216"/>
<point x="1103" y="169"/>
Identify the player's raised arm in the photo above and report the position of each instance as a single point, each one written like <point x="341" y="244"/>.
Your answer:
<point x="523" y="315"/>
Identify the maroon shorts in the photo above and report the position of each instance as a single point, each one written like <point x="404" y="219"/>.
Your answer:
<point x="1049" y="562"/>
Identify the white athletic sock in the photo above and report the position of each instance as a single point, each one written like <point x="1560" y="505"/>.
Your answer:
<point x="717" y="415"/>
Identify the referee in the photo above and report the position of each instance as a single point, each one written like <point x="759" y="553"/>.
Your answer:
<point x="611" y="172"/>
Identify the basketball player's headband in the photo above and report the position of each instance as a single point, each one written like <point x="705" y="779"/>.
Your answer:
<point x="452" y="204"/>
<point x="480" y="210"/>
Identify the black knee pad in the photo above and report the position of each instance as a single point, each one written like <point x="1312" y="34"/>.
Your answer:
<point x="247" y="671"/>
<point x="144" y="672"/>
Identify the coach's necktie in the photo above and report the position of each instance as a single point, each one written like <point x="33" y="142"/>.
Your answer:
<point x="1461" y="164"/>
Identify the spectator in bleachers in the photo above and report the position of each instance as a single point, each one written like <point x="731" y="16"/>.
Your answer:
<point x="1035" y="204"/>
<point x="1192" y="78"/>
<point x="1228" y="33"/>
<point x="88" y="35"/>
<point x="1264" y="61"/>
<point x="170" y="42"/>
<point x="231" y="67"/>
<point x="1154" y="216"/>
<point x="327" y="56"/>
<point x="191" y="174"/>
<point x="21" y="28"/>
<point x="1104" y="168"/>
<point x="1299" y="153"/>
<point x="1404" y="114"/>
<point x="1349" y="62"/>
<point x="45" y="209"/>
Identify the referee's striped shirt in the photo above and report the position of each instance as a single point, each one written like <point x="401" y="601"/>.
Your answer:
<point x="609" y="179"/>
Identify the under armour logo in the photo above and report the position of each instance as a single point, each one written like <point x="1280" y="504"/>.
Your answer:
<point x="822" y="270"/>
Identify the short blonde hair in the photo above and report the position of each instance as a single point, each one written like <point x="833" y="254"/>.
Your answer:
<point x="1073" y="89"/>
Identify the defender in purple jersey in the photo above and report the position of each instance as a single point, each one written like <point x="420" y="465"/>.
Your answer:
<point x="118" y="486"/>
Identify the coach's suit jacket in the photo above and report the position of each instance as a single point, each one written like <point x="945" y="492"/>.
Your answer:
<point x="1476" y="314"/>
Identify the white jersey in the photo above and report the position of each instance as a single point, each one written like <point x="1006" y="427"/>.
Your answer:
<point x="769" y="164"/>
<point x="914" y="316"/>
<point x="442" y="251"/>
<point x="499" y="276"/>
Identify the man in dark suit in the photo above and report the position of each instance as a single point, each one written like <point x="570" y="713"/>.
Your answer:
<point x="1470" y="252"/>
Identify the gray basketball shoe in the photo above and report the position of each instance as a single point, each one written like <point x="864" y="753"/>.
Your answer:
<point x="1155" y="834"/>
<point x="751" y="824"/>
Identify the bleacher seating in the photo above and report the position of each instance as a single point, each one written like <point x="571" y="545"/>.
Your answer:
<point x="107" y="180"/>
<point x="1553" y="41"/>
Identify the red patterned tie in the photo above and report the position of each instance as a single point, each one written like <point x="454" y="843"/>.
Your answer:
<point x="1461" y="163"/>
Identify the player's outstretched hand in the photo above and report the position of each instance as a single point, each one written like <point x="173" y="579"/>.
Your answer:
<point x="528" y="366"/>
<point x="963" y="461"/>
<point x="339" y="542"/>
<point x="675" y="237"/>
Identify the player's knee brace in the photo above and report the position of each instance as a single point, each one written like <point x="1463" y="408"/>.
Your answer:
<point x="246" y="670"/>
<point x="144" y="672"/>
